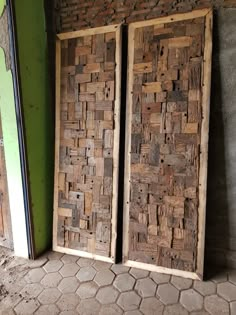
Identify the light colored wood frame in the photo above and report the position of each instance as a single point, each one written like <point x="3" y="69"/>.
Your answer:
<point x="70" y="35"/>
<point x="207" y="13"/>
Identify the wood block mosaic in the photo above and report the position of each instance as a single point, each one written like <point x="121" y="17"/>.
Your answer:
<point x="87" y="142"/>
<point x="164" y="124"/>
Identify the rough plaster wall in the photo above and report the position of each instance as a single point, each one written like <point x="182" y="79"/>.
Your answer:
<point x="221" y="206"/>
<point x="4" y="37"/>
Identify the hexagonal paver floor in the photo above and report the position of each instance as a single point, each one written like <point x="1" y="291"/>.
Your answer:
<point x="146" y="287"/>
<point x="107" y="295"/>
<point x="104" y="277"/>
<point x="124" y="282"/>
<point x="191" y="300"/>
<point x="87" y="290"/>
<point x="167" y="293"/>
<point x="67" y="285"/>
<point x="86" y="274"/>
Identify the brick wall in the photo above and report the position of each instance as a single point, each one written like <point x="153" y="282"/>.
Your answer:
<point x="76" y="14"/>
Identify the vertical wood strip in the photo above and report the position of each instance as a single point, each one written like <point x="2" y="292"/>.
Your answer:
<point x="206" y="96"/>
<point x="57" y="142"/>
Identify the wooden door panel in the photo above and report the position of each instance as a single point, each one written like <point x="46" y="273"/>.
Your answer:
<point x="87" y="142"/>
<point x="166" y="141"/>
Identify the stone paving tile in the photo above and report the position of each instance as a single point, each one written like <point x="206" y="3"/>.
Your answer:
<point x="35" y="275"/>
<point x="50" y="309"/>
<point x="87" y="290"/>
<point x="232" y="276"/>
<point x="101" y="265"/>
<point x="220" y="277"/>
<point x="205" y="288"/>
<point x="69" y="259"/>
<point x="27" y="307"/>
<point x="53" y="266"/>
<point x="129" y="301"/>
<point x="85" y="262"/>
<point x="175" y="309"/>
<point x="88" y="307"/>
<point x="111" y="309"/>
<point x="233" y="308"/>
<point x="167" y="293"/>
<point x="54" y="255"/>
<point x="68" y="285"/>
<point x="136" y="312"/>
<point x="107" y="295"/>
<point x="68" y="302"/>
<point x="146" y="287"/>
<point x="31" y="290"/>
<point x="215" y="305"/>
<point x="51" y="280"/>
<point x="40" y="262"/>
<point x="124" y="282"/>
<point x="86" y="274"/>
<point x="191" y="300"/>
<point x="139" y="273"/>
<point x="7" y="312"/>
<point x="49" y="296"/>
<point x="119" y="268"/>
<point x="78" y="293"/>
<point x="151" y="306"/>
<point x="159" y="278"/>
<point x="227" y="290"/>
<point x="104" y="277"/>
<point x="69" y="270"/>
<point x="181" y="283"/>
<point x="10" y="301"/>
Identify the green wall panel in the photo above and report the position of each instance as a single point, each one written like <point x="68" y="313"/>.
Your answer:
<point x="2" y="3"/>
<point x="37" y="115"/>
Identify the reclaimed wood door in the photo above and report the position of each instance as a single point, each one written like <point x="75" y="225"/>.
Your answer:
<point x="169" y="71"/>
<point x="6" y="239"/>
<point x="87" y="142"/>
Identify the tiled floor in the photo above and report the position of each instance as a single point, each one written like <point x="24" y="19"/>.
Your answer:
<point x="68" y="285"/>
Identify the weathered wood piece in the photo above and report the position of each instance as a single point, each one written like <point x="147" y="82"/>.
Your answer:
<point x="166" y="133"/>
<point x="87" y="142"/>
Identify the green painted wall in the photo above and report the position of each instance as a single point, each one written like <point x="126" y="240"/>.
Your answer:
<point x="37" y="114"/>
<point x="2" y="3"/>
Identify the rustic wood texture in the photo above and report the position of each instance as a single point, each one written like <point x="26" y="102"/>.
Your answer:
<point x="165" y="120"/>
<point x="87" y="153"/>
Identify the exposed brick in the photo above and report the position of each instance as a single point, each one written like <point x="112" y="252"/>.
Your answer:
<point x="75" y="14"/>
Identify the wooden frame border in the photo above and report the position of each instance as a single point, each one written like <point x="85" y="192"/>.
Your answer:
<point x="207" y="13"/>
<point x="60" y="37"/>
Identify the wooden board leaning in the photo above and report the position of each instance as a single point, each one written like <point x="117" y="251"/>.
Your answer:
<point x="167" y="125"/>
<point x="88" y="67"/>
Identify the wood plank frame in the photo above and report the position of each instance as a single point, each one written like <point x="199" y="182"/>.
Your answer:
<point x="60" y="37"/>
<point x="207" y="13"/>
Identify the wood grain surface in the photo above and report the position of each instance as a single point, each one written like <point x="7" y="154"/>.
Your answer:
<point x="87" y="150"/>
<point x="168" y="92"/>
